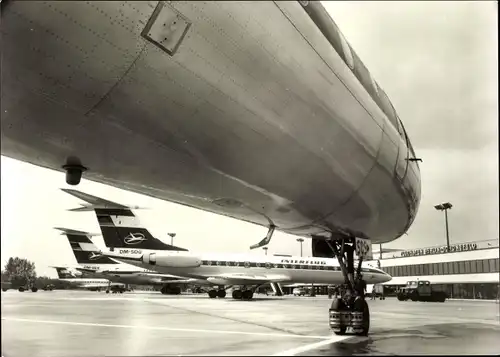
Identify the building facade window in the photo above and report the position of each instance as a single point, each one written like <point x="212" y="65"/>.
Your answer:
<point x="492" y="267"/>
<point x="446" y="268"/>
<point x="461" y="267"/>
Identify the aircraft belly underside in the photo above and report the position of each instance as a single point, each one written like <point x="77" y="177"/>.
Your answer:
<point x="245" y="119"/>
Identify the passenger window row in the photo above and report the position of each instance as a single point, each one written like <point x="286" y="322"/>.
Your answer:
<point x="445" y="268"/>
<point x="279" y="265"/>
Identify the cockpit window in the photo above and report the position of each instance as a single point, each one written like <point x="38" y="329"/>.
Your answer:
<point x="408" y="142"/>
<point x="347" y="51"/>
<point x="387" y="107"/>
<point x="374" y="83"/>
<point x="400" y="128"/>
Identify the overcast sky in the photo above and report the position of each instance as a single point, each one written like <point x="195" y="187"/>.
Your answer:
<point x="437" y="61"/>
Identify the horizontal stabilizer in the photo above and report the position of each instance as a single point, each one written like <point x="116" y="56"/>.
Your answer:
<point x="75" y="232"/>
<point x="59" y="267"/>
<point x="82" y="209"/>
<point x="94" y="202"/>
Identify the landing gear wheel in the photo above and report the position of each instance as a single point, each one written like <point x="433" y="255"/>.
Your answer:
<point x="107" y="291"/>
<point x="247" y="295"/>
<point x="361" y="306"/>
<point x="336" y="317"/>
<point x="237" y="294"/>
<point x="221" y="293"/>
<point x="212" y="294"/>
<point x="34" y="290"/>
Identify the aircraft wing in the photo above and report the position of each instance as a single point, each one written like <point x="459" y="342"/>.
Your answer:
<point x="160" y="275"/>
<point x="91" y="285"/>
<point x="184" y="281"/>
<point x="86" y="270"/>
<point x="247" y="279"/>
<point x="168" y="278"/>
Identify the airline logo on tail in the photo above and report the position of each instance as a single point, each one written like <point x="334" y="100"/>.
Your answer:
<point x="65" y="273"/>
<point x="134" y="238"/>
<point x="94" y="256"/>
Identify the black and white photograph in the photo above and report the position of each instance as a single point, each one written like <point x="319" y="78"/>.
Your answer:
<point x="249" y="178"/>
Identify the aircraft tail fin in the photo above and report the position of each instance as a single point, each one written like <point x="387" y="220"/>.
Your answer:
<point x="84" y="250"/>
<point x="64" y="273"/>
<point x="119" y="226"/>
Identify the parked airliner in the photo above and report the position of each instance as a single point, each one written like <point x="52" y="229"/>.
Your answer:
<point x="94" y="264"/>
<point x="78" y="280"/>
<point x="118" y="223"/>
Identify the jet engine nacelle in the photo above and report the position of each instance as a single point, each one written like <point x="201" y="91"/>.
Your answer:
<point x="172" y="260"/>
<point x="218" y="281"/>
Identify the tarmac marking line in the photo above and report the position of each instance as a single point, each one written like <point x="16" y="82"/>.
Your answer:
<point x="312" y="346"/>
<point x="267" y="334"/>
<point x="439" y="319"/>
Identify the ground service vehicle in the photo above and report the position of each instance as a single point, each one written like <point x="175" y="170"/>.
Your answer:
<point x="299" y="292"/>
<point x="6" y="286"/>
<point x="421" y="290"/>
<point x="24" y="287"/>
<point x="21" y="288"/>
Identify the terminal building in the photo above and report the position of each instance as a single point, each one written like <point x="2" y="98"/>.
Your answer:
<point x="464" y="271"/>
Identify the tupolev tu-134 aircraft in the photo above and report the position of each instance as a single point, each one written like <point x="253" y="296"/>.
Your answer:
<point x="260" y="111"/>
<point x="93" y="264"/>
<point x="132" y="243"/>
<point x="78" y="280"/>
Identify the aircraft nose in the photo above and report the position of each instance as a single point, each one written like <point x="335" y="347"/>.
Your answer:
<point x="386" y="277"/>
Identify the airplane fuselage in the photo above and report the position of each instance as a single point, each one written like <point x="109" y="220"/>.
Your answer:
<point x="125" y="275"/>
<point x="223" y="269"/>
<point x="87" y="283"/>
<point x="251" y="112"/>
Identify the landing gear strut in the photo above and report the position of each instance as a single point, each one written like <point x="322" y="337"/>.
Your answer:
<point x="350" y="309"/>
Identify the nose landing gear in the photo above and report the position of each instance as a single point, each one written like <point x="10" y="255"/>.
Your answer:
<point x="350" y="310"/>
